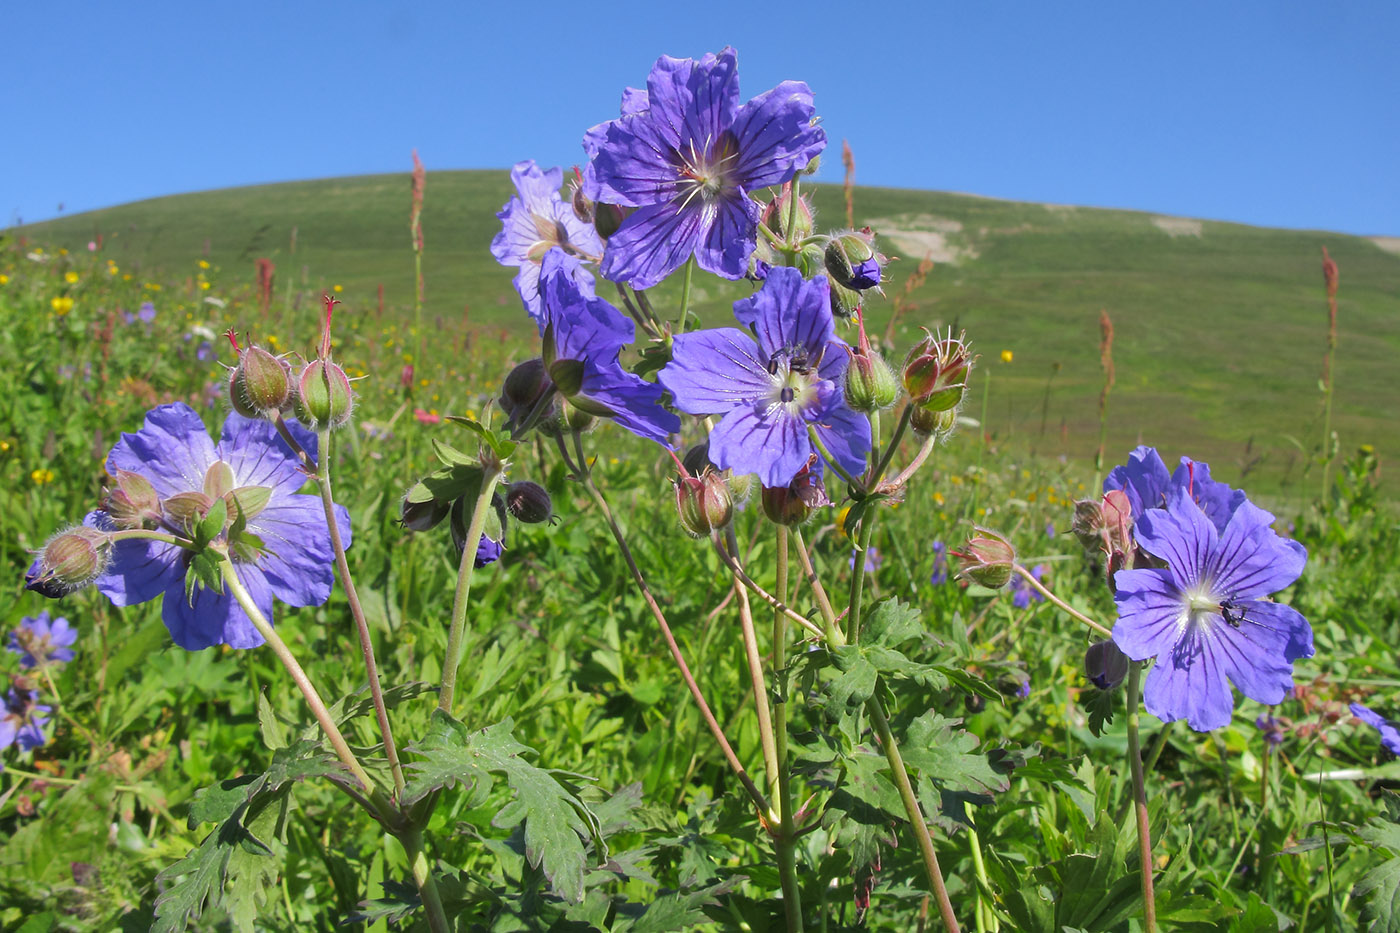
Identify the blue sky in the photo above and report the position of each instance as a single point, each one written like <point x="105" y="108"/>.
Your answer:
<point x="1277" y="113"/>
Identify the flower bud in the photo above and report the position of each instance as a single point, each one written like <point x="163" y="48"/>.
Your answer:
<point x="238" y="397"/>
<point x="492" y="543"/>
<point x="324" y="398"/>
<point x="133" y="502"/>
<point x="261" y="382"/>
<point x="778" y="212"/>
<point x="1087" y="524"/>
<point x="852" y="261"/>
<point x="793" y="504"/>
<point x="582" y="205"/>
<point x="424" y="515"/>
<point x="844" y="301"/>
<point x="529" y="502"/>
<point x="522" y="390"/>
<point x="1105" y="665"/>
<point x="988" y="559"/>
<point x="697" y="460"/>
<point x="936" y="371"/>
<point x="608" y="217"/>
<point x="938" y="424"/>
<point x="870" y="383"/>
<point x="70" y="560"/>
<point x="704" y="503"/>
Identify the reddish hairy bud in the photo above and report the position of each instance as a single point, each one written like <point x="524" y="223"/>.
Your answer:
<point x="988" y="559"/>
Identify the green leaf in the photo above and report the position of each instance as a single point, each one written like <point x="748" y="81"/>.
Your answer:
<point x="945" y="756"/>
<point x="399" y="902"/>
<point x="451" y="483"/>
<point x="500" y="443"/>
<point x="892" y="623"/>
<point x="1379" y="888"/>
<point x="557" y="823"/>
<point x="1100" y="705"/>
<point x="679" y="910"/>
<point x="451" y="456"/>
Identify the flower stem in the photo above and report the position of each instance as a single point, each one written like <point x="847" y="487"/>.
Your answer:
<point x="289" y="661"/>
<point x="685" y="295"/>
<point x="891" y="749"/>
<point x="342" y="567"/>
<point x="423" y="877"/>
<point x="786" y="849"/>
<point x="893" y="446"/>
<point x="1149" y="905"/>
<point x="451" y="659"/>
<point x="585" y="476"/>
<point x="867" y="529"/>
<point x="1040" y="588"/>
<point x="773" y="601"/>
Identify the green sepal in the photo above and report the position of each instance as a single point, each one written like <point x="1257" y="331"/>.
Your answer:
<point x="212" y="524"/>
<point x="451" y="456"/>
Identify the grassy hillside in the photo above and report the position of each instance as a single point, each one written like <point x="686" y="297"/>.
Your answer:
<point x="1219" y="327"/>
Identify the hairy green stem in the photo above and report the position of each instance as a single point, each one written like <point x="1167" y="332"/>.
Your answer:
<point x="787" y="852"/>
<point x="289" y="661"/>
<point x="1064" y="606"/>
<point x="1144" y="830"/>
<point x="685" y="295"/>
<point x="767" y="597"/>
<point x="342" y="567"/>
<point x="423" y="877"/>
<point x="451" y="659"/>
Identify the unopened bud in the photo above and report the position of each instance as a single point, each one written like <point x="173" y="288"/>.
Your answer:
<point x="793" y="504"/>
<point x="133" y="502"/>
<point x="988" y="559"/>
<point x="522" y="391"/>
<point x="777" y="214"/>
<point x="852" y="261"/>
<point x="1105" y="665"/>
<point x="422" y="515"/>
<point x="870" y="383"/>
<point x="1087" y="524"/>
<point x="607" y="218"/>
<point x="529" y="502"/>
<point x="583" y="207"/>
<point x="845" y="302"/>
<point x="324" y="398"/>
<point x="936" y="371"/>
<point x="697" y="460"/>
<point x="939" y="424"/>
<point x="261" y="381"/>
<point x="703" y="503"/>
<point x="70" y="560"/>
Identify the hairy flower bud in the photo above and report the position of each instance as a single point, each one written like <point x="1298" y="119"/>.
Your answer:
<point x="697" y="460"/>
<point x="936" y="371"/>
<point x="261" y="382"/>
<point x="529" y="502"/>
<point x="704" y="503"/>
<point x="870" y="383"/>
<point x="1105" y="665"/>
<point x="133" y="502"/>
<point x="608" y="217"/>
<point x="70" y="560"/>
<point x="938" y="424"/>
<point x="1087" y="523"/>
<point x="793" y="504"/>
<point x="852" y="261"/>
<point x="778" y="212"/>
<point x="324" y="398"/>
<point x="422" y="515"/>
<point x="988" y="559"/>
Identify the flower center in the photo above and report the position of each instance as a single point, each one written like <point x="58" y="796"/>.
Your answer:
<point x="794" y="376"/>
<point x="707" y="173"/>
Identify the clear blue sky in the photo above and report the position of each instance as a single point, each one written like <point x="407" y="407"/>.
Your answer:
<point x="1272" y="113"/>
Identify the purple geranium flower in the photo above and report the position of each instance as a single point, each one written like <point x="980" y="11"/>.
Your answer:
<point x="769" y="392"/>
<point x="940" y="564"/>
<point x="535" y="221"/>
<point x="686" y="156"/>
<point x="1390" y="735"/>
<point x="22" y="720"/>
<point x="1203" y="616"/>
<point x="1144" y="480"/>
<point x="1022" y="593"/>
<point x="284" y="551"/>
<point x="146" y="313"/>
<point x="41" y="641"/>
<point x="487" y="552"/>
<point x="583" y="336"/>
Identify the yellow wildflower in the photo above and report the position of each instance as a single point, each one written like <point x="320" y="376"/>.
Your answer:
<point x="204" y="264"/>
<point x="204" y="285"/>
<point x="1006" y="356"/>
<point x="4" y="280"/>
<point x="41" y="476"/>
<point x="62" y="304"/>
<point x="70" y="277"/>
<point x="337" y="289"/>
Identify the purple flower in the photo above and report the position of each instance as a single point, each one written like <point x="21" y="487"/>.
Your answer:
<point x="147" y="312"/>
<point x="284" y="551"/>
<point x="873" y="559"/>
<point x="770" y="391"/>
<point x="535" y="221"/>
<point x="22" y="720"/>
<point x="940" y="564"/>
<point x="41" y="641"/>
<point x="1024" y="690"/>
<point x="1022" y="593"/>
<point x="1203" y="616"/>
<point x="204" y="351"/>
<point x="1390" y="735"/>
<point x="1274" y="729"/>
<point x="687" y="157"/>
<point x="583" y="336"/>
<point x="487" y="552"/>
<point x="1145" y="481"/>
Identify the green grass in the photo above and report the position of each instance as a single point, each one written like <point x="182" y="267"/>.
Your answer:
<point x="1219" y="336"/>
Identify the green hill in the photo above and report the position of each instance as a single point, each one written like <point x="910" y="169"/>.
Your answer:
<point x="1219" y="327"/>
